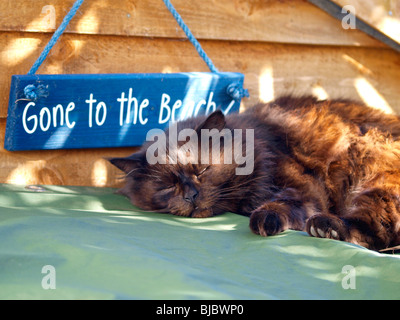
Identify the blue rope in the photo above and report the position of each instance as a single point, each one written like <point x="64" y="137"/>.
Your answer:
<point x="190" y="36"/>
<point x="235" y="90"/>
<point x="33" y="93"/>
<point x="55" y="36"/>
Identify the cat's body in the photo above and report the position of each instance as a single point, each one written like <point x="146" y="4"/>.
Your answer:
<point x="331" y="168"/>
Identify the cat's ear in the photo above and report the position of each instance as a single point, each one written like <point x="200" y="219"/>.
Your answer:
<point x="130" y="163"/>
<point x="215" y="120"/>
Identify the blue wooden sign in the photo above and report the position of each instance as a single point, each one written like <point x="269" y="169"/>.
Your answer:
<point x="109" y="110"/>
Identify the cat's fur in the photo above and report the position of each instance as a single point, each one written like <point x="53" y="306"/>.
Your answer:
<point x="331" y="168"/>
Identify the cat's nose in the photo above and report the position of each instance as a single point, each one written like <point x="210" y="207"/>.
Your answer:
<point x="191" y="195"/>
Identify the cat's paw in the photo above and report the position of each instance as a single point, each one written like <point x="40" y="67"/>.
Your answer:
<point x="327" y="226"/>
<point x="266" y="222"/>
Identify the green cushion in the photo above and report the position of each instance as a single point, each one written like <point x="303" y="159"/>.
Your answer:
<point x="101" y="247"/>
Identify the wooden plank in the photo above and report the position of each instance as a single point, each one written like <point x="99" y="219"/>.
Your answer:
<point x="109" y="110"/>
<point x="284" y="68"/>
<point x="384" y="15"/>
<point x="367" y="74"/>
<point x="283" y="21"/>
<point x="351" y="20"/>
<point x="60" y="167"/>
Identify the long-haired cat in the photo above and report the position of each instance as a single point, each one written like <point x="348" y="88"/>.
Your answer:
<point x="331" y="168"/>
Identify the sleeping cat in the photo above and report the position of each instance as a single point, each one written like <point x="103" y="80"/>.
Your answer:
<point x="331" y="168"/>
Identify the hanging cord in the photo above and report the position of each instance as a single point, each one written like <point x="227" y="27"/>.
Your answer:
<point x="235" y="90"/>
<point x="55" y="36"/>
<point x="190" y="36"/>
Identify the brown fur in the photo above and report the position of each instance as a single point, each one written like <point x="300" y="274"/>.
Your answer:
<point x="331" y="168"/>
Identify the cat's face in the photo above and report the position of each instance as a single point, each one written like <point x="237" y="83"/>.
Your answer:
<point x="184" y="187"/>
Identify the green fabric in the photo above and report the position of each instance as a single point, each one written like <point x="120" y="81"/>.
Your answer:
<point x="104" y="248"/>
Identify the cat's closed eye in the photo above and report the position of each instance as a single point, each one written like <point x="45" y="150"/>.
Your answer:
<point x="202" y="171"/>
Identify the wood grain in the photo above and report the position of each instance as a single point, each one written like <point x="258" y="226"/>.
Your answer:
<point x="60" y="167"/>
<point x="383" y="15"/>
<point x="292" y="67"/>
<point x="283" y="21"/>
<point x="281" y="46"/>
<point x="367" y="74"/>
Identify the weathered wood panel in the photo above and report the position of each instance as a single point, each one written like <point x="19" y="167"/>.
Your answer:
<point x="383" y="15"/>
<point x="367" y="74"/>
<point x="283" y="21"/>
<point x="59" y="167"/>
<point x="285" y="46"/>
<point x="292" y="67"/>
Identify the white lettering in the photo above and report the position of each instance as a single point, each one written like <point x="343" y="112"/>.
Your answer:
<point x="165" y="99"/>
<point x="128" y="111"/>
<point x="56" y="116"/>
<point x="101" y="106"/>
<point x="349" y="20"/>
<point x="47" y="112"/>
<point x="49" y="280"/>
<point x="177" y="105"/>
<point x="349" y="280"/>
<point x="70" y="107"/>
<point x="214" y="155"/>
<point x="156" y="152"/>
<point x="183" y="311"/>
<point x="217" y="309"/>
<point x="235" y="149"/>
<point x="31" y="118"/>
<point x="229" y="107"/>
<point x="201" y="103"/>
<point x="248" y="160"/>
<point x="58" y="109"/>
<point x="122" y="101"/>
<point x="144" y="104"/>
<point x="90" y="102"/>
<point x="211" y="104"/>
<point x="132" y="116"/>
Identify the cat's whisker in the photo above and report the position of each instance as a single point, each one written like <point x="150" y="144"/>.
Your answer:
<point x="329" y="168"/>
<point x="245" y="182"/>
<point x="130" y="172"/>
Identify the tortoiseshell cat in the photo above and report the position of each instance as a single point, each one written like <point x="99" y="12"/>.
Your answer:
<point x="331" y="168"/>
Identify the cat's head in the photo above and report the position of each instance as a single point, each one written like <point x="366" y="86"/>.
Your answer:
<point x="183" y="179"/>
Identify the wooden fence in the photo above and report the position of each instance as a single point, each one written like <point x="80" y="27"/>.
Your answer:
<point x="282" y="46"/>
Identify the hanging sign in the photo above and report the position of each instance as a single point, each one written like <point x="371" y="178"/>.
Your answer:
<point x="110" y="110"/>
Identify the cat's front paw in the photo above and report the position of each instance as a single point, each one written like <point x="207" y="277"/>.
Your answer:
<point x="267" y="222"/>
<point x="327" y="226"/>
